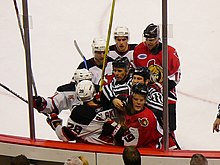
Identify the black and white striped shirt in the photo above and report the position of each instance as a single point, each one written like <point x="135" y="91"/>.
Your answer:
<point x="116" y="88"/>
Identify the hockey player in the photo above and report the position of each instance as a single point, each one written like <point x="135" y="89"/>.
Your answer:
<point x="142" y="127"/>
<point x="121" y="47"/>
<point x="154" y="98"/>
<point x="149" y="54"/>
<point x="95" y="63"/>
<point x="90" y="123"/>
<point x="86" y="120"/>
<point x="65" y="96"/>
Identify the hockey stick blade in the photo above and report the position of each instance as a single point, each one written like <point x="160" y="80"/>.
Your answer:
<point x="81" y="54"/>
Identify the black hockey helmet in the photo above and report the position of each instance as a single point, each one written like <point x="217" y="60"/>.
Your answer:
<point x="152" y="31"/>
<point x="142" y="71"/>
<point x="121" y="62"/>
<point x="139" y="89"/>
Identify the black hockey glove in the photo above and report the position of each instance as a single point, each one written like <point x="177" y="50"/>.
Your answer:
<point x="110" y="128"/>
<point x="54" y="120"/>
<point x="39" y="103"/>
<point x="114" y="129"/>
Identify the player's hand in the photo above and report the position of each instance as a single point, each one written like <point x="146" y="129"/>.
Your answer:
<point x="118" y="104"/>
<point x="110" y="127"/>
<point x="216" y="125"/>
<point x="98" y="96"/>
<point x="39" y="103"/>
<point x="54" y="121"/>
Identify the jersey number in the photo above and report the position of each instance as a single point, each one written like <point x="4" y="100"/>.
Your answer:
<point x="75" y="128"/>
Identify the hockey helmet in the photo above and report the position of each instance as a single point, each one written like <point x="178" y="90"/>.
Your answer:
<point x="85" y="90"/>
<point x="152" y="31"/>
<point x="121" y="31"/>
<point x="82" y="74"/>
<point x="139" y="88"/>
<point x="121" y="62"/>
<point x="142" y="71"/>
<point x="98" y="44"/>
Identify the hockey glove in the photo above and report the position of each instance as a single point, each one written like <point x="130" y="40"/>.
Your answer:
<point x="97" y="98"/>
<point x="116" y="130"/>
<point x="110" y="128"/>
<point x="39" y="103"/>
<point x="54" y="120"/>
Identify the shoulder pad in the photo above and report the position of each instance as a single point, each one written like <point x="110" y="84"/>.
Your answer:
<point x="67" y="87"/>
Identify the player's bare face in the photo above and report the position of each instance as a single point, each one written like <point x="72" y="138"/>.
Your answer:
<point x="137" y="79"/>
<point x="99" y="57"/>
<point x="138" y="101"/>
<point x="120" y="73"/>
<point x="151" y="42"/>
<point x="121" y="44"/>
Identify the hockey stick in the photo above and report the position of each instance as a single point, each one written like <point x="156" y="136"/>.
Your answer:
<point x="107" y="45"/>
<point x="17" y="95"/>
<point x="23" y="41"/>
<point x="19" y="20"/>
<point x="81" y="54"/>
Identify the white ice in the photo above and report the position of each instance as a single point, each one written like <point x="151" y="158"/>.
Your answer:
<point x="194" y="31"/>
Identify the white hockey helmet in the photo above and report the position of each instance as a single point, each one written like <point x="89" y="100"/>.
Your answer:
<point x="81" y="74"/>
<point x="121" y="31"/>
<point x="98" y="44"/>
<point x="85" y="90"/>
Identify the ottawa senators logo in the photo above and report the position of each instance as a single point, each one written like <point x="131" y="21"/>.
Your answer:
<point x="143" y="122"/>
<point x="156" y="73"/>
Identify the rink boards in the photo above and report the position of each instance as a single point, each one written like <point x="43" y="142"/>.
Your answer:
<point x="57" y="151"/>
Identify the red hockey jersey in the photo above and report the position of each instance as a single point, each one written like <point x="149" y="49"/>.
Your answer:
<point x="145" y="128"/>
<point x="144" y="57"/>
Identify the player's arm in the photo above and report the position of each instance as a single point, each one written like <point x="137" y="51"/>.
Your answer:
<point x="63" y="133"/>
<point x="174" y="69"/>
<point x="54" y="104"/>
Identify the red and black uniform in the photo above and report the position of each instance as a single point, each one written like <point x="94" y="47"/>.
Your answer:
<point x="145" y="128"/>
<point x="145" y="57"/>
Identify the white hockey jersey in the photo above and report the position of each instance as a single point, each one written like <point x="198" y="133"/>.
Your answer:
<point x="85" y="125"/>
<point x="64" y="98"/>
<point x="114" y="53"/>
<point x="96" y="70"/>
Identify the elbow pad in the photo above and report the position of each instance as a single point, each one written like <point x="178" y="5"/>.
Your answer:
<point x="65" y="134"/>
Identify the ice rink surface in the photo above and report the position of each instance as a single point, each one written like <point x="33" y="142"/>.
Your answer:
<point x="193" y="31"/>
